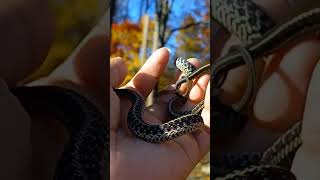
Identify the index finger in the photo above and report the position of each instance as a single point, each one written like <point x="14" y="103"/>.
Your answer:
<point x="149" y="74"/>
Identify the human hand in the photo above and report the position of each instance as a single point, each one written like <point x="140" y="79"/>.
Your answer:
<point x="287" y="94"/>
<point x="133" y="158"/>
<point x="25" y="40"/>
<point x="36" y="140"/>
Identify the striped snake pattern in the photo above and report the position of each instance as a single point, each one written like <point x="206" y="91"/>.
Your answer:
<point x="86" y="153"/>
<point x="242" y="18"/>
<point x="269" y="164"/>
<point x="156" y="133"/>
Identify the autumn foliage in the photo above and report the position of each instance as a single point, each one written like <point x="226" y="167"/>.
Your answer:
<point x="126" y="39"/>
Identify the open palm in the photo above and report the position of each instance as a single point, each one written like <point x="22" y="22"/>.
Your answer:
<point x="134" y="158"/>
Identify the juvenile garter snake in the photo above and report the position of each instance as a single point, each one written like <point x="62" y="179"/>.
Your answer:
<point x="288" y="32"/>
<point x="76" y="157"/>
<point x="86" y="153"/>
<point x="156" y="133"/>
<point x="273" y="40"/>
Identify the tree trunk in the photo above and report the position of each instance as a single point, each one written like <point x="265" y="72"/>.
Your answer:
<point x="155" y="46"/>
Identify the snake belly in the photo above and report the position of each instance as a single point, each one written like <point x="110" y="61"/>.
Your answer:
<point x="156" y="133"/>
<point x="86" y="153"/>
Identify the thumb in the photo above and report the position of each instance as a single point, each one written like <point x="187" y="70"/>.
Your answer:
<point x="308" y="155"/>
<point x="118" y="71"/>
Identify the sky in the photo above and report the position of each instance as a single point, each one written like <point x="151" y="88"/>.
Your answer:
<point x="180" y="9"/>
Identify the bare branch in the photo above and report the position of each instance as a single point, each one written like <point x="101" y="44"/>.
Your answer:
<point x="184" y="27"/>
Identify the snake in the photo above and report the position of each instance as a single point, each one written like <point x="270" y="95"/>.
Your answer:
<point x="156" y="133"/>
<point x="189" y="121"/>
<point x="290" y="31"/>
<point x="184" y="122"/>
<point x="85" y="155"/>
<point x="264" y="45"/>
<point x="86" y="152"/>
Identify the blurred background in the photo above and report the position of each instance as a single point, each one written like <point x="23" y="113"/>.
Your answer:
<point x="141" y="26"/>
<point x="73" y="21"/>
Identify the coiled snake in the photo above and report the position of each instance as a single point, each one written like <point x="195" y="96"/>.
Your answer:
<point x="86" y="153"/>
<point x="259" y="43"/>
<point x="275" y="162"/>
<point x="156" y="133"/>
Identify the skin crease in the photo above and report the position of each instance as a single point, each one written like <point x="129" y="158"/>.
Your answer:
<point x="18" y="24"/>
<point x="131" y="157"/>
<point x="27" y="28"/>
<point x="288" y="83"/>
<point x="305" y="53"/>
<point x="48" y="136"/>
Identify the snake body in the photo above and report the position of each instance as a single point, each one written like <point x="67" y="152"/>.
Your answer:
<point x="86" y="153"/>
<point x="242" y="18"/>
<point x="278" y="37"/>
<point x="271" y="162"/>
<point x="267" y="166"/>
<point x="156" y="133"/>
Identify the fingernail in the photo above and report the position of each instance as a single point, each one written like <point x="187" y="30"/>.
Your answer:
<point x="168" y="49"/>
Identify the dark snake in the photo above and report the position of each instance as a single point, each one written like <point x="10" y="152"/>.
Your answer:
<point x="86" y="153"/>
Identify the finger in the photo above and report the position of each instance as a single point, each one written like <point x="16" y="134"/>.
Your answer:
<point x="118" y="71"/>
<point x="280" y="100"/>
<point x="160" y="108"/>
<point x="236" y="84"/>
<point x="184" y="87"/>
<point x="308" y="155"/>
<point x="197" y="92"/>
<point x="206" y="110"/>
<point x="16" y="124"/>
<point x="90" y="65"/>
<point x="236" y="81"/>
<point x="199" y="140"/>
<point x="147" y="77"/>
<point x="194" y="61"/>
<point x="147" y="116"/>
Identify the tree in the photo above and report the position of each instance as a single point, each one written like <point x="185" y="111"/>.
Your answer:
<point x="164" y="25"/>
<point x="192" y="39"/>
<point x="164" y="11"/>
<point x="125" y="42"/>
<point x="194" y="42"/>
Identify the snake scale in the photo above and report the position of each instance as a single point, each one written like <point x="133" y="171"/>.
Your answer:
<point x="262" y="44"/>
<point x="156" y="133"/>
<point x="270" y="163"/>
<point x="86" y="153"/>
